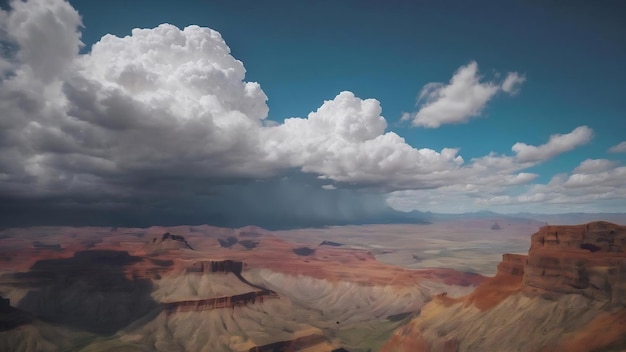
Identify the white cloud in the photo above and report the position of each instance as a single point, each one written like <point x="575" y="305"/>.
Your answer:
<point x="165" y="98"/>
<point x="594" y="185"/>
<point x="612" y="177"/>
<point x="161" y="102"/>
<point x="345" y="140"/>
<point x="166" y="108"/>
<point x="557" y="144"/>
<point x="512" y="83"/>
<point x="590" y="166"/>
<point x="47" y="35"/>
<point x="463" y="98"/>
<point x="618" y="148"/>
<point x="167" y="103"/>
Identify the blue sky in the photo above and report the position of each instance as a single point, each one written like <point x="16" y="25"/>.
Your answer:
<point x="565" y="62"/>
<point x="304" y="53"/>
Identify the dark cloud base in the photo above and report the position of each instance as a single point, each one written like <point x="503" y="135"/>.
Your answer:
<point x="295" y="201"/>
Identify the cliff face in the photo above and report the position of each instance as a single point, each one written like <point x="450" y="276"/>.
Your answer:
<point x="573" y="281"/>
<point x="585" y="259"/>
<point x="512" y="265"/>
<point x="507" y="282"/>
<point x="216" y="269"/>
<point x="234" y="301"/>
<point x="216" y="266"/>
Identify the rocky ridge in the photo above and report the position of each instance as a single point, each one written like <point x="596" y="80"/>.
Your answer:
<point x="585" y="259"/>
<point x="570" y="287"/>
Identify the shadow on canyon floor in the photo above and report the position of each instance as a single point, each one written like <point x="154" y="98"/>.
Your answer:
<point x="89" y="291"/>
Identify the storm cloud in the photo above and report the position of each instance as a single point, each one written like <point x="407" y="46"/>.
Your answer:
<point x="161" y="127"/>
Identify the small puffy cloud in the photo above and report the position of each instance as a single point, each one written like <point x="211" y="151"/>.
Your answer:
<point x="590" y="166"/>
<point x="512" y="83"/>
<point x="557" y="144"/>
<point x="618" y="148"/>
<point x="463" y="98"/>
<point x="607" y="177"/>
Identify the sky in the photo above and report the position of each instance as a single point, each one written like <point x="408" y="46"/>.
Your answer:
<point x="308" y="113"/>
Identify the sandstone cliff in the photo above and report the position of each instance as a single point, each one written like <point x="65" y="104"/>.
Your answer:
<point x="567" y="294"/>
<point x="585" y="259"/>
<point x="233" y="302"/>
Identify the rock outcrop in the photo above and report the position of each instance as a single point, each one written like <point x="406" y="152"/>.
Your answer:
<point x="170" y="241"/>
<point x="512" y="265"/>
<point x="568" y="293"/>
<point x="216" y="266"/>
<point x="585" y="259"/>
<point x="219" y="302"/>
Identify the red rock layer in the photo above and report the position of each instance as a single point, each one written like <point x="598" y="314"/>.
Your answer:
<point x="507" y="281"/>
<point x="219" y="302"/>
<point x="588" y="259"/>
<point x="512" y="265"/>
<point x="584" y="259"/>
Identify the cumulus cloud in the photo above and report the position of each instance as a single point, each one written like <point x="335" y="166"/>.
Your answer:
<point x="463" y="98"/>
<point x="47" y="35"/>
<point x="170" y="103"/>
<point x="618" y="148"/>
<point x="611" y="177"/>
<point x="590" y="166"/>
<point x="594" y="182"/>
<point x="162" y="121"/>
<point x="597" y="185"/>
<point x="165" y="113"/>
<point x="557" y="144"/>
<point x="344" y="141"/>
<point x="161" y="102"/>
<point x="512" y="83"/>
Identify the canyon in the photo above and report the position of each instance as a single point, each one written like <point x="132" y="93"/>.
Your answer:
<point x="566" y="294"/>
<point x="204" y="288"/>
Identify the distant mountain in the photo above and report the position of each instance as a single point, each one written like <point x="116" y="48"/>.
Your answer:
<point x="575" y="218"/>
<point x="561" y="219"/>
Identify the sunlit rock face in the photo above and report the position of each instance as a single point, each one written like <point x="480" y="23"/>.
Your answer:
<point x="567" y="294"/>
<point x="586" y="259"/>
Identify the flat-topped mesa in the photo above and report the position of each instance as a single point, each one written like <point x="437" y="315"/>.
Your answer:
<point x="593" y="237"/>
<point x="219" y="302"/>
<point x="585" y="259"/>
<point x="216" y="266"/>
<point x="512" y="265"/>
